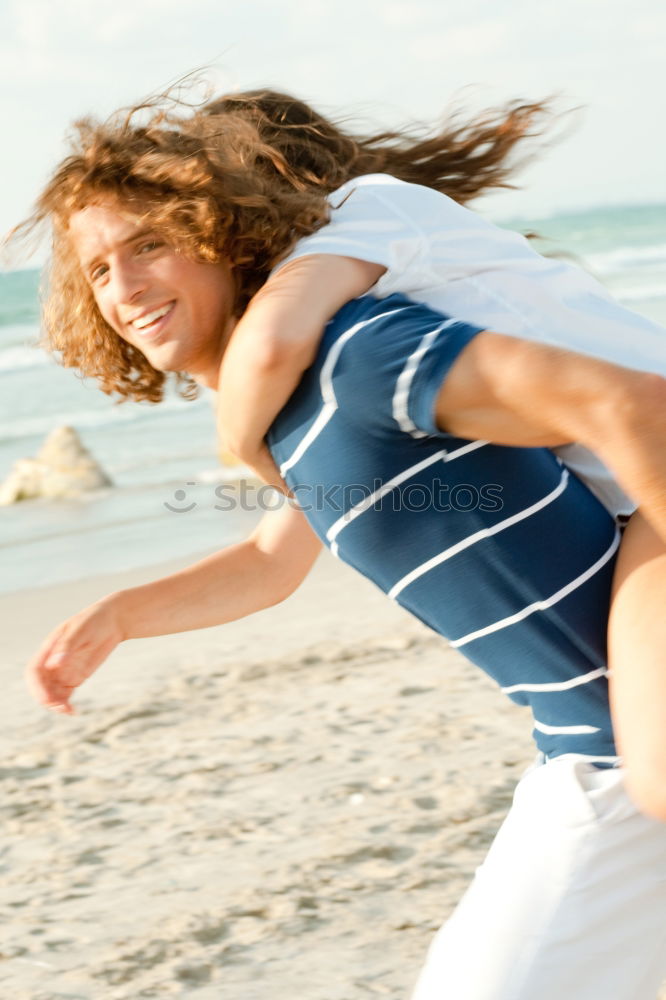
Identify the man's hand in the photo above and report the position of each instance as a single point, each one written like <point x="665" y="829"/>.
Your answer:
<point x="71" y="653"/>
<point x="237" y="581"/>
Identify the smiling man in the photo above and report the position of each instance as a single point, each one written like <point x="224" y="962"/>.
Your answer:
<point x="161" y="236"/>
<point x="175" y="310"/>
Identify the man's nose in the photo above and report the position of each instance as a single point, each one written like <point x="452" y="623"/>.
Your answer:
<point x="128" y="282"/>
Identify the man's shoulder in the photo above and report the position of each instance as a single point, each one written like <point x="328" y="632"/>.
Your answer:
<point x="369" y="335"/>
<point x="364" y="348"/>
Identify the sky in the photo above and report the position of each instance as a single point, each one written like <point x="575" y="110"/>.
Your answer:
<point x="386" y="62"/>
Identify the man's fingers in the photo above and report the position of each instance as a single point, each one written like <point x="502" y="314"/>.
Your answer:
<point x="70" y="654"/>
<point x="42" y="654"/>
<point x="55" y="659"/>
<point x="47" y="677"/>
<point x="62" y="707"/>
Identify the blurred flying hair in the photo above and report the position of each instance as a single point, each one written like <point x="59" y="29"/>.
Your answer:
<point x="241" y="177"/>
<point x="462" y="159"/>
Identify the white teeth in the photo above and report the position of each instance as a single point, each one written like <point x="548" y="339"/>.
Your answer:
<point x="149" y="318"/>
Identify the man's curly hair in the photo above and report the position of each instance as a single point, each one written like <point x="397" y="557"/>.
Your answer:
<point x="205" y="183"/>
<point x="240" y="178"/>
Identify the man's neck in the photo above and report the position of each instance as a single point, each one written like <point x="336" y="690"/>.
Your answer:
<point x="208" y="374"/>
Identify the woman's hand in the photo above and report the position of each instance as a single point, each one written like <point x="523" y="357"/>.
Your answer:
<point x="71" y="653"/>
<point x="263" y="465"/>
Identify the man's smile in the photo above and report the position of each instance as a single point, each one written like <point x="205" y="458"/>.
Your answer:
<point x="149" y="324"/>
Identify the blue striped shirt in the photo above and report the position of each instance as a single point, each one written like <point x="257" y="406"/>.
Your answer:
<point x="501" y="550"/>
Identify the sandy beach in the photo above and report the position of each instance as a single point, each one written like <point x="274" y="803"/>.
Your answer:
<point x="287" y="806"/>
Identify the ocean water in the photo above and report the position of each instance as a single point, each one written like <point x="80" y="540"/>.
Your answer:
<point x="161" y="460"/>
<point x="171" y="497"/>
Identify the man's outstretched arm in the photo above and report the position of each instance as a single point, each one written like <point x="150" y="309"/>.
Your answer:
<point x="233" y="583"/>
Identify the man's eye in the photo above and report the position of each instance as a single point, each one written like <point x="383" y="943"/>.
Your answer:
<point x="149" y="245"/>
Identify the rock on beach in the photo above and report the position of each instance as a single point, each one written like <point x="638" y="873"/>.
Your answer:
<point x="62" y="468"/>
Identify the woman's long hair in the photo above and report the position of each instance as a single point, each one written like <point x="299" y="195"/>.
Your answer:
<point x="240" y="178"/>
<point x="462" y="159"/>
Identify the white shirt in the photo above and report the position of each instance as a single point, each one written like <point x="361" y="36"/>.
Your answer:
<point x="444" y="255"/>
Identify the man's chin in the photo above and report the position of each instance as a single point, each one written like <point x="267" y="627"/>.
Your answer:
<point x="174" y="363"/>
<point x="162" y="361"/>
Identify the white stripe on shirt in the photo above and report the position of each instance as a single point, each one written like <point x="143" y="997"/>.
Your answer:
<point x="542" y="727"/>
<point x="477" y="537"/>
<point x="327" y="392"/>
<point x="542" y="605"/>
<point x="593" y="675"/>
<point x="391" y="484"/>
<point x="323" y="417"/>
<point x="403" y="384"/>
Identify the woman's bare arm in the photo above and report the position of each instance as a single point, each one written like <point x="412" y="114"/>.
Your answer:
<point x="520" y="393"/>
<point x="273" y="344"/>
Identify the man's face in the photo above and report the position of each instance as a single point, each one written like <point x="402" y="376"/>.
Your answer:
<point x="176" y="311"/>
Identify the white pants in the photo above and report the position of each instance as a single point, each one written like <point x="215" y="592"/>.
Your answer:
<point x="570" y="901"/>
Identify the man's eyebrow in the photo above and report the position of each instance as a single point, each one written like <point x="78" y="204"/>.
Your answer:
<point x="138" y="235"/>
